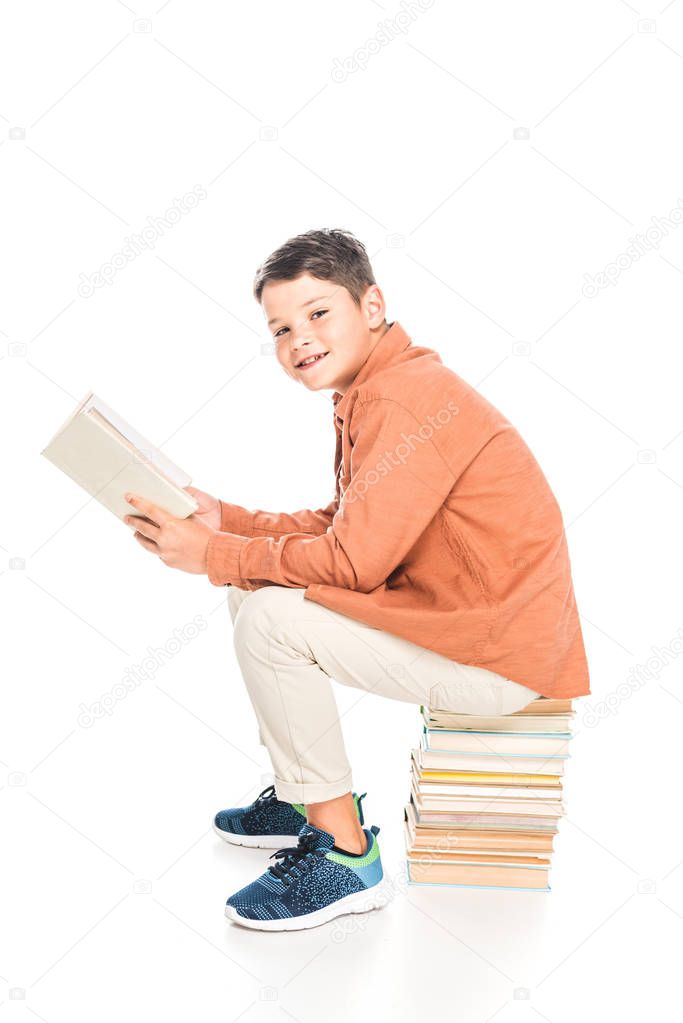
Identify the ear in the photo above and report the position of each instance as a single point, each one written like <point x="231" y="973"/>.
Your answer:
<point x="374" y="306"/>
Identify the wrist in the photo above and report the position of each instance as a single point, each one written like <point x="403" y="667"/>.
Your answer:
<point x="205" y="559"/>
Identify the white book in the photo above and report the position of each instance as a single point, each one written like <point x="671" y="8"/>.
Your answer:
<point x="101" y="452"/>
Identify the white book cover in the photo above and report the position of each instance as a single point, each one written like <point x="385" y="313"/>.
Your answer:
<point x="108" y="458"/>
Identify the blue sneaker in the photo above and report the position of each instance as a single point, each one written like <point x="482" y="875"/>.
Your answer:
<point x="268" y="822"/>
<point x="312" y="883"/>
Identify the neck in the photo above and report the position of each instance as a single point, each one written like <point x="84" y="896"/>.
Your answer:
<point x="376" y="335"/>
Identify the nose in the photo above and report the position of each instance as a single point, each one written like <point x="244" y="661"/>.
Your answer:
<point x="297" y="341"/>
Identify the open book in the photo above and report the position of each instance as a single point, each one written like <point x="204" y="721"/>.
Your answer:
<point x="108" y="458"/>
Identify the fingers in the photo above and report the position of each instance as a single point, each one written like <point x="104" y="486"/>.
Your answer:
<point x="202" y="499"/>
<point x="147" y="544"/>
<point x="152" y="511"/>
<point x="143" y="526"/>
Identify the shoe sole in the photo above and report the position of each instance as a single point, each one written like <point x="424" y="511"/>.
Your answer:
<point x="257" y="841"/>
<point x="358" y="902"/>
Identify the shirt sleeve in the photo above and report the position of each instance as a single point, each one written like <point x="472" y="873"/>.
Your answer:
<point x="398" y="481"/>
<point x="236" y="519"/>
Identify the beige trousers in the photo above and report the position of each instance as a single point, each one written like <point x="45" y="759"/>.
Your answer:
<point x="289" y="649"/>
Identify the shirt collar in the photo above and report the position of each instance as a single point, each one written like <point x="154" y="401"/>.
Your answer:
<point x="389" y="346"/>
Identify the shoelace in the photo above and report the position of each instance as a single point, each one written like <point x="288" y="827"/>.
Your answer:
<point x="267" y="795"/>
<point x="296" y="858"/>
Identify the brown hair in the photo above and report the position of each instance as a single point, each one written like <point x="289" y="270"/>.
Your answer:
<point x="329" y="254"/>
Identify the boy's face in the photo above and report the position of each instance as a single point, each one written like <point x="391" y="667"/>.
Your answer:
<point x="311" y="317"/>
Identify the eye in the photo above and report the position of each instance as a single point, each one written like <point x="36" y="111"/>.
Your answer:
<point x="322" y="312"/>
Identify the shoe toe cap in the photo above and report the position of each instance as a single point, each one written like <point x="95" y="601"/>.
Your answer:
<point x="239" y="912"/>
<point x="247" y="896"/>
<point x="227" y="820"/>
<point x="240" y="906"/>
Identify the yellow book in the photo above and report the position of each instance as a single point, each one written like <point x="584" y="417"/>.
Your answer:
<point x="472" y="778"/>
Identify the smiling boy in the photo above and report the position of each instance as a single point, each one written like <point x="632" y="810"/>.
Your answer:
<point x="438" y="574"/>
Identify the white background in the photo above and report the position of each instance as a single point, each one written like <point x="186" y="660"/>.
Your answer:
<point x="481" y="240"/>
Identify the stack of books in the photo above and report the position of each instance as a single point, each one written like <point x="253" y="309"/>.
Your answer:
<point x="487" y="796"/>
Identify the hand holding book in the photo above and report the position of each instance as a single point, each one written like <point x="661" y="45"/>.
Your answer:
<point x="209" y="510"/>
<point x="180" y="543"/>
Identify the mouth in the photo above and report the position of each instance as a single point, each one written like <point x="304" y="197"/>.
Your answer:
<point x="310" y="360"/>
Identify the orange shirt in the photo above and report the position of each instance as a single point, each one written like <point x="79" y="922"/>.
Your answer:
<point x="443" y="528"/>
